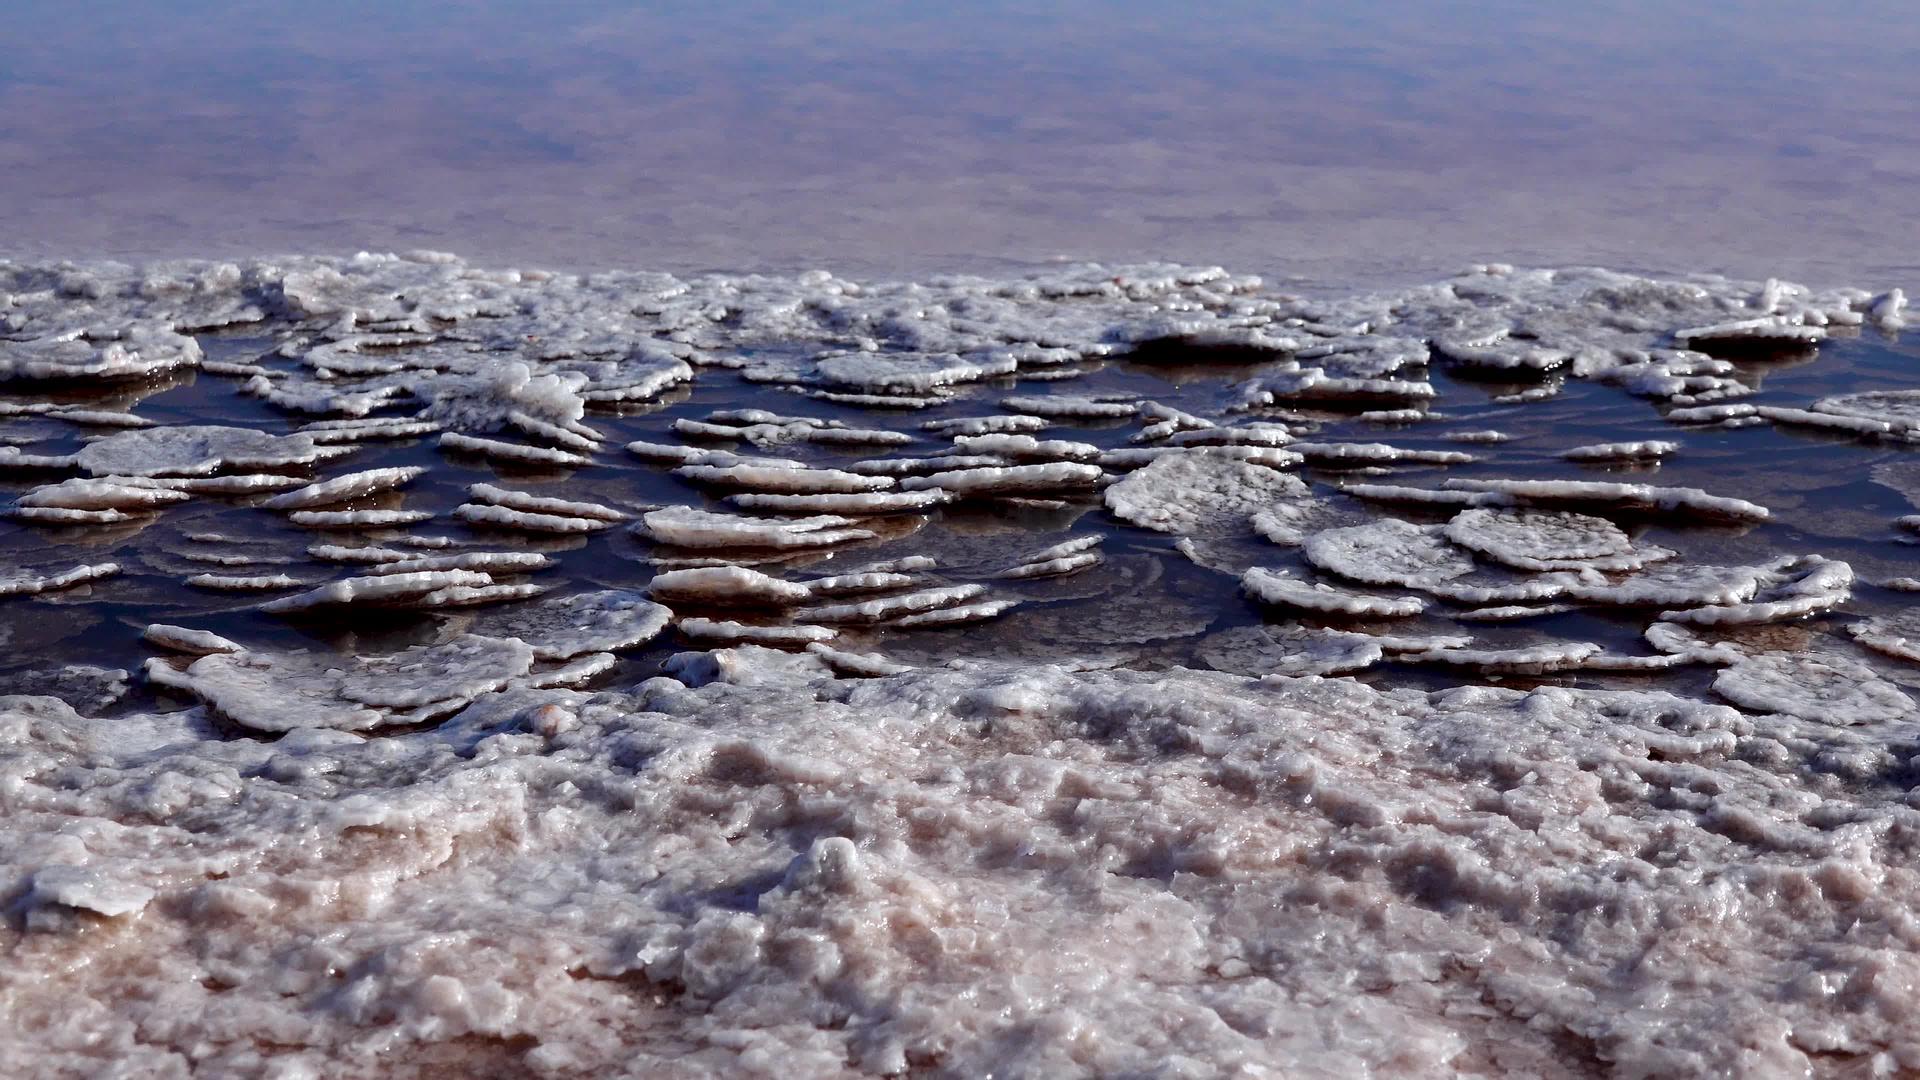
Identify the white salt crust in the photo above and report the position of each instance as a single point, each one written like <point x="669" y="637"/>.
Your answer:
<point x="963" y="868"/>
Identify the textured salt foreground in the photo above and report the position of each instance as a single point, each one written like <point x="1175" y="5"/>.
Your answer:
<point x="427" y="670"/>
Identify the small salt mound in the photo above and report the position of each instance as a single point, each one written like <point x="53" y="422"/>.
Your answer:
<point x="610" y="620"/>
<point x="397" y="590"/>
<point x="1056" y="566"/>
<point x="1830" y="689"/>
<point x="1851" y="425"/>
<point x="1288" y="522"/>
<point x="782" y="481"/>
<point x="368" y="554"/>
<point x="670" y="453"/>
<point x="734" y="633"/>
<point x="878" y="401"/>
<point x="1894" y="635"/>
<point x="282" y="692"/>
<point x="1388" y="552"/>
<point x="685" y="526"/>
<point x="1671" y="586"/>
<point x="1530" y="660"/>
<point x="1500" y="353"/>
<point x="1328" y="455"/>
<point x="1648" y="450"/>
<point x="576" y="436"/>
<point x="367" y="429"/>
<point x="462" y="596"/>
<point x="60" y="515"/>
<point x="246" y="583"/>
<point x="909" y="372"/>
<point x="537" y="504"/>
<point x="14" y="459"/>
<point x="726" y="585"/>
<point x="1272" y="587"/>
<point x="237" y="484"/>
<point x="864" y="582"/>
<point x="490" y="562"/>
<point x="1770" y="333"/>
<point x="1547" y="540"/>
<point x="1802" y="587"/>
<point x="108" y="493"/>
<point x="891" y="607"/>
<point x="484" y="401"/>
<point x="1288" y="650"/>
<point x="1403" y="495"/>
<point x="1026" y="447"/>
<point x="1011" y="424"/>
<point x="345" y="488"/>
<point x="1511" y="612"/>
<point x="1899" y="409"/>
<point x="357" y="519"/>
<point x="925" y="466"/>
<point x="857" y="665"/>
<point x="1268" y="435"/>
<point x="100" y="418"/>
<point x="1482" y="436"/>
<point x="858" y="505"/>
<point x="1643" y="498"/>
<point x="1141" y="457"/>
<point x="1315" y="385"/>
<point x="1063" y="406"/>
<point x="80" y="888"/>
<point x="572" y="673"/>
<point x="517" y="453"/>
<point x="187" y="640"/>
<point x="24" y="582"/>
<point x="1010" y="480"/>
<point x="129" y="352"/>
<point x="953" y="616"/>
<point x="747" y="665"/>
<point x="1194" y="491"/>
<point x="506" y="517"/>
<point x="193" y="451"/>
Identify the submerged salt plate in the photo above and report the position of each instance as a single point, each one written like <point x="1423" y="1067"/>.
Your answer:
<point x="854" y="717"/>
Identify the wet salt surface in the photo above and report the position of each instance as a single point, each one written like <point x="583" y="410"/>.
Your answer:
<point x="1538" y="797"/>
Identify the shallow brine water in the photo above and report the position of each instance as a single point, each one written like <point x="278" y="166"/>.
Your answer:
<point x="452" y="668"/>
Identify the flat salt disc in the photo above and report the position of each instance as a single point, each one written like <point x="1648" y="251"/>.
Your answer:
<point x="1287" y="650"/>
<point x="1388" y="552"/>
<point x="559" y="629"/>
<point x="1830" y="689"/>
<point x="1196" y="491"/>
<point x="1537" y="539"/>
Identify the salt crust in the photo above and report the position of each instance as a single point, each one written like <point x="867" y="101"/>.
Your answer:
<point x="552" y="797"/>
<point x="1194" y="490"/>
<point x="1453" y="819"/>
<point x="725" y="585"/>
<point x="1270" y="587"/>
<point x="609" y="620"/>
<point x="684" y="526"/>
<point x="346" y="488"/>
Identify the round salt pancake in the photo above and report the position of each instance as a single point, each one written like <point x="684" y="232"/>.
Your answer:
<point x="1527" y="539"/>
<point x="1388" y="552"/>
<point x="192" y="450"/>
<point x="609" y="620"/>
<point x="1829" y="689"/>
<point x="1287" y="650"/>
<point x="1198" y="491"/>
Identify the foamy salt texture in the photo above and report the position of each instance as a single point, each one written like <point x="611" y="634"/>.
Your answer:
<point x="772" y="784"/>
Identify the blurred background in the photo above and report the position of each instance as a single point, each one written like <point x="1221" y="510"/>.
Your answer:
<point x="1324" y="143"/>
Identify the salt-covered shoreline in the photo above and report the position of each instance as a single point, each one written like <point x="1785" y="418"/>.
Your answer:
<point x="901" y="799"/>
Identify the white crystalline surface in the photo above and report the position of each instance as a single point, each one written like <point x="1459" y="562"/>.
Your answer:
<point x="1194" y="738"/>
<point x="1198" y="490"/>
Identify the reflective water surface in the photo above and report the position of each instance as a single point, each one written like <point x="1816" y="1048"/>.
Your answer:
<point x="1320" y="141"/>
